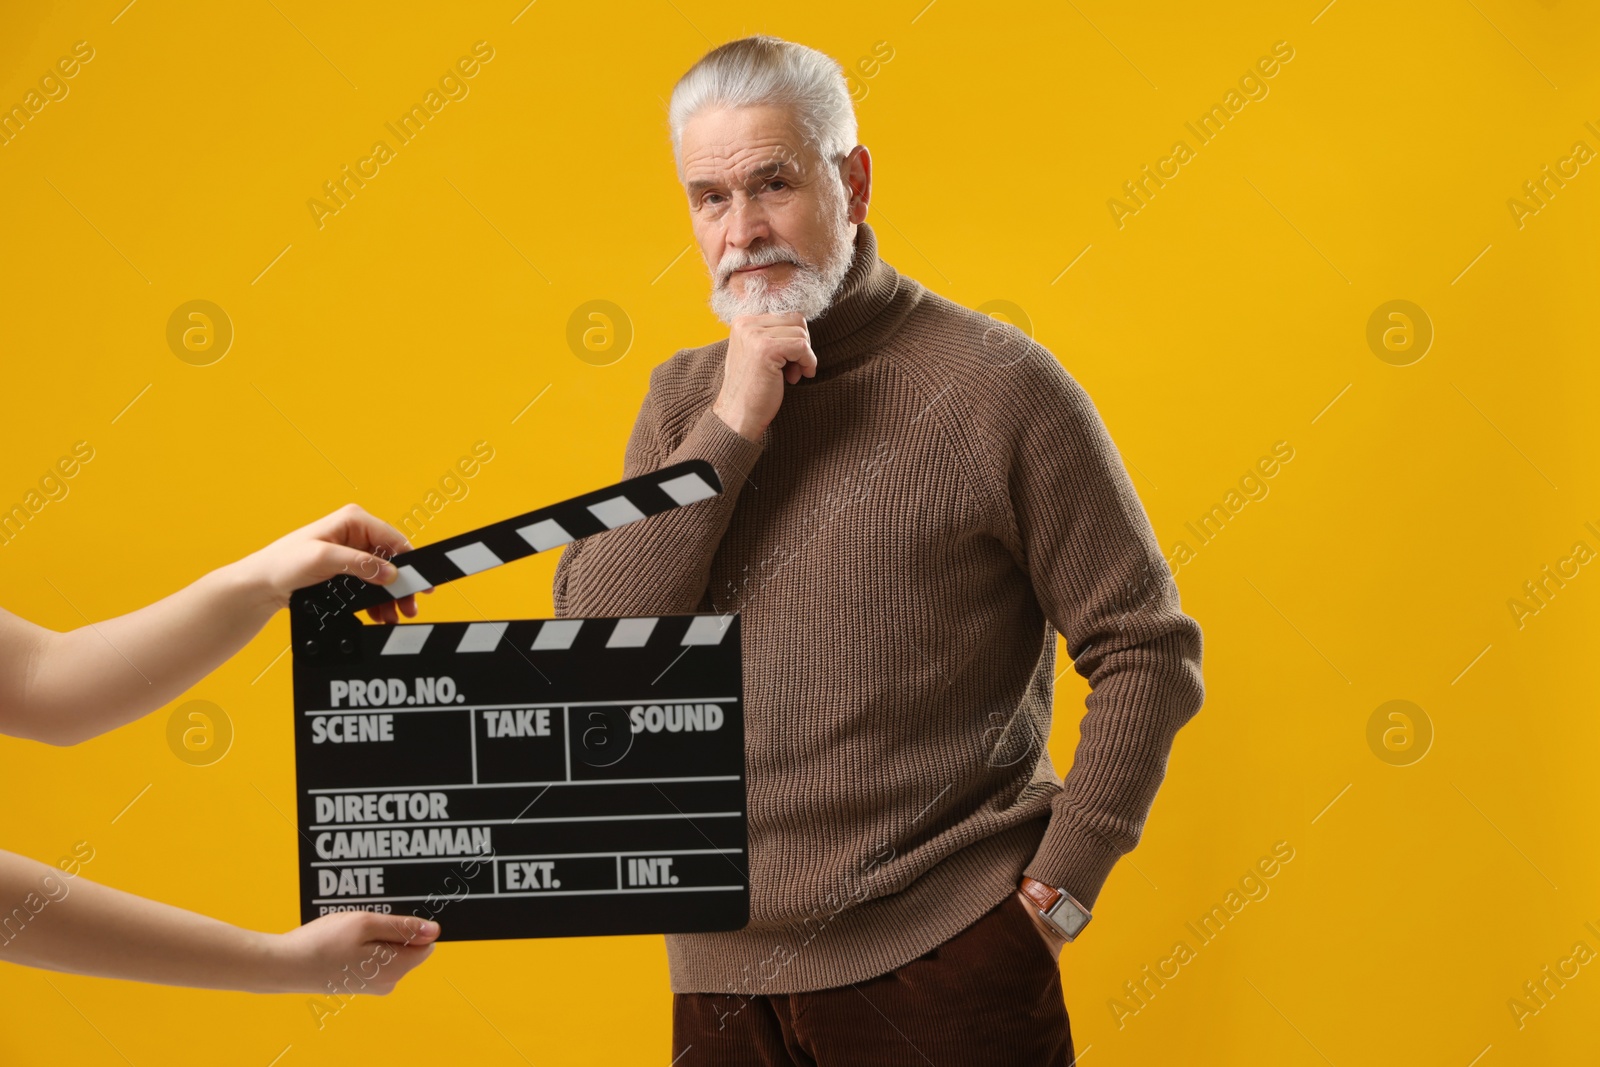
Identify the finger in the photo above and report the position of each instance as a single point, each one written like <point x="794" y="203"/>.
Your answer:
<point x="360" y="529"/>
<point x="792" y="341"/>
<point x="354" y="526"/>
<point x="401" y="929"/>
<point x="383" y="613"/>
<point x="786" y="352"/>
<point x="329" y="559"/>
<point x="791" y="373"/>
<point x="408" y="605"/>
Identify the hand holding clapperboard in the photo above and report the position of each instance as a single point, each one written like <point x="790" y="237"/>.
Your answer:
<point x="523" y="777"/>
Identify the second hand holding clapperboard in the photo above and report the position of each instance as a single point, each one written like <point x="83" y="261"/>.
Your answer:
<point x="524" y="777"/>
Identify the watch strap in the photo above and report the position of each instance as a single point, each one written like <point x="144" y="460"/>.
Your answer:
<point x="1043" y="896"/>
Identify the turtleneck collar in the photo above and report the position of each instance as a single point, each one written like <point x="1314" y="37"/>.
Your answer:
<point x="872" y="301"/>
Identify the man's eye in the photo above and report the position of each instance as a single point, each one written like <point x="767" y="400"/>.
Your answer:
<point x="776" y="181"/>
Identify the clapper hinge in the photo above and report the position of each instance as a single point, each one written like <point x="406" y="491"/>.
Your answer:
<point x="321" y="627"/>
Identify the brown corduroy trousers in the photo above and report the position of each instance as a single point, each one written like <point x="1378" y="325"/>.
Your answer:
<point x="990" y="995"/>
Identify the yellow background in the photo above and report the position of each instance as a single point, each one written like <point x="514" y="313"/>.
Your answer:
<point x="1226" y="315"/>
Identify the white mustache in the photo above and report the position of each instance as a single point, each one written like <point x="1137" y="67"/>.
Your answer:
<point x="760" y="259"/>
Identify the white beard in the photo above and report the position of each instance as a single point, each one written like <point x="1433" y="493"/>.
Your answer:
<point x="811" y="287"/>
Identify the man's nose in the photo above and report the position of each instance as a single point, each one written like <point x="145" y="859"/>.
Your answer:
<point x="746" y="221"/>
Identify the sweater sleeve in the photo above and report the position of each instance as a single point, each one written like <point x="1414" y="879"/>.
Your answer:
<point x="1103" y="583"/>
<point x="660" y="565"/>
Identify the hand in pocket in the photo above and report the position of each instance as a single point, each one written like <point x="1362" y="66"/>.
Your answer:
<point x="1053" y="941"/>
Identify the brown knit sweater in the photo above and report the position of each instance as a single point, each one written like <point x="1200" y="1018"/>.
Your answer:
<point x="914" y="527"/>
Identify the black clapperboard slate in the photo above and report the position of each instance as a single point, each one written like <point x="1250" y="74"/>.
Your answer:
<point x="526" y="777"/>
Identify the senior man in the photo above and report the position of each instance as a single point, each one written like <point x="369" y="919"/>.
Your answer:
<point x="916" y="499"/>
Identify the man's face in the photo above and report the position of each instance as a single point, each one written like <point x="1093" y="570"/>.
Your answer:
<point x="770" y="215"/>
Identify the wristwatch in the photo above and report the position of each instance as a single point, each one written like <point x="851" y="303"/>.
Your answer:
<point x="1057" y="907"/>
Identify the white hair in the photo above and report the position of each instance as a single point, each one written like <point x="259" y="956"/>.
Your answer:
<point x="763" y="70"/>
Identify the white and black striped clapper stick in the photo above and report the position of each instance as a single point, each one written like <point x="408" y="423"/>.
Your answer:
<point x="523" y="777"/>
<point x="501" y="542"/>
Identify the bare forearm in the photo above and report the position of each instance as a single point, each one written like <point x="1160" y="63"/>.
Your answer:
<point x="87" y="681"/>
<point x="63" y="688"/>
<point x="73" y="925"/>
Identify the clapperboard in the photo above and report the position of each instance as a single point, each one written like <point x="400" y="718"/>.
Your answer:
<point x="524" y="777"/>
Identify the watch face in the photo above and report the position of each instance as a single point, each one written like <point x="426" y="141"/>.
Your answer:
<point x="1069" y="918"/>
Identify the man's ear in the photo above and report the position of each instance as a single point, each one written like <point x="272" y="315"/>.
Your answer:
<point x="857" y="166"/>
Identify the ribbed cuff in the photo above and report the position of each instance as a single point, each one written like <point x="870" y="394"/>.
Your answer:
<point x="1075" y="860"/>
<point x="732" y="455"/>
